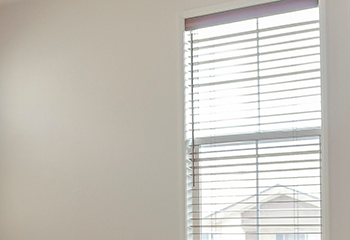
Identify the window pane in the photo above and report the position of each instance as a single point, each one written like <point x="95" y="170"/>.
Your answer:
<point x="253" y="120"/>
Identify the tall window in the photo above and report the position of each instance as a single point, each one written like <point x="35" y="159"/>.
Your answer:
<point x="253" y="123"/>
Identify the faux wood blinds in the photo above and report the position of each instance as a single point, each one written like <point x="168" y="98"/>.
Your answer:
<point x="253" y="125"/>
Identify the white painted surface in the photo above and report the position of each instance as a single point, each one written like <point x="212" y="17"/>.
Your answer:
<point x="91" y="126"/>
<point x="4" y="2"/>
<point x="338" y="58"/>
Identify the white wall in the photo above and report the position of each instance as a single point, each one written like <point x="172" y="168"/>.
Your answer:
<point x="338" y="53"/>
<point x="90" y="116"/>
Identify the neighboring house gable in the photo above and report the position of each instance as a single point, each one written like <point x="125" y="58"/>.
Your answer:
<point x="282" y="210"/>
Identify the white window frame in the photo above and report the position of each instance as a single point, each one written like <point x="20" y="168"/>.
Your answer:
<point x="324" y="129"/>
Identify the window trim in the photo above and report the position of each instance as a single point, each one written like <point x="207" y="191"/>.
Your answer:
<point x="324" y="99"/>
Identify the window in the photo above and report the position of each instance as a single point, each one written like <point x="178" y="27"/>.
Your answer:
<point x="291" y="237"/>
<point x="295" y="237"/>
<point x="253" y="123"/>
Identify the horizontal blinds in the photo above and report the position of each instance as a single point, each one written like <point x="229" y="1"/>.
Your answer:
<point x="257" y="75"/>
<point x="253" y="120"/>
<point x="247" y="13"/>
<point x="259" y="187"/>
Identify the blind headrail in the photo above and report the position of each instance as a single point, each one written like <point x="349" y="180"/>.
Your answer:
<point x="248" y="13"/>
